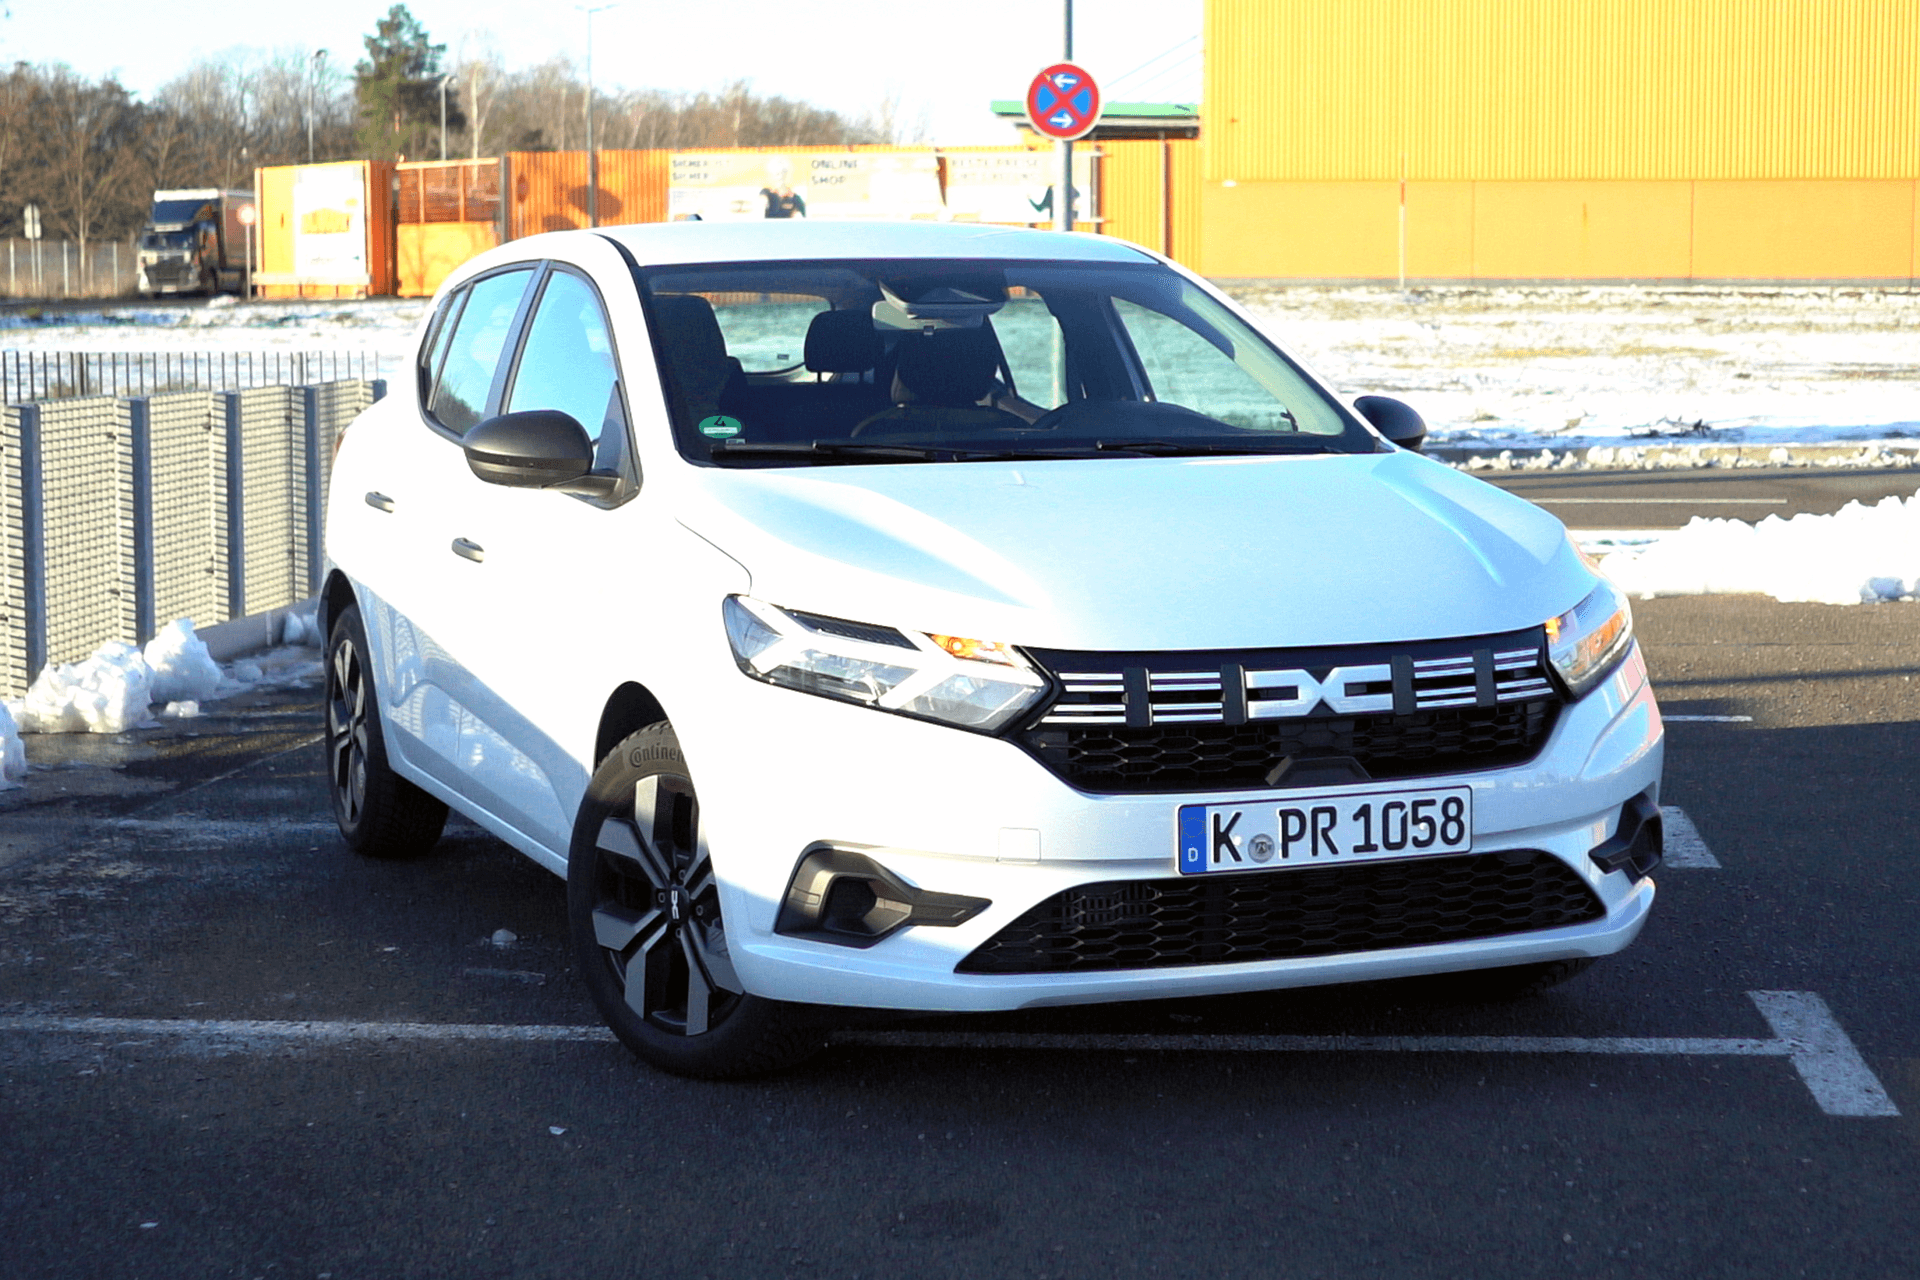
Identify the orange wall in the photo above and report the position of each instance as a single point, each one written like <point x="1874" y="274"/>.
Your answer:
<point x="429" y="251"/>
<point x="275" y="232"/>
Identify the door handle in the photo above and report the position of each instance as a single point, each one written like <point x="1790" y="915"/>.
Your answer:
<point x="379" y="501"/>
<point x="469" y="550"/>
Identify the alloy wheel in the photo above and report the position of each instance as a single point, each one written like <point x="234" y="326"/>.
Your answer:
<point x="347" y="730"/>
<point x="657" y="911"/>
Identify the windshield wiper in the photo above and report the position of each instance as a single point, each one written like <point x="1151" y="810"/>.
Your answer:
<point x="855" y="451"/>
<point x="825" y="449"/>
<point x="1194" y="448"/>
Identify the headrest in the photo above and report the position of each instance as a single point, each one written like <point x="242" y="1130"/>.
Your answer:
<point x="842" y="342"/>
<point x="952" y="367"/>
<point x="695" y="349"/>
<point x="689" y="331"/>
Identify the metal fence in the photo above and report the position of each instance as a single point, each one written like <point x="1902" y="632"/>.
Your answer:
<point x="68" y="269"/>
<point x="119" y="514"/>
<point x="27" y="376"/>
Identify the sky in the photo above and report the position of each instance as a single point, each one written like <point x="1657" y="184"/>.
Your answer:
<point x="945" y="62"/>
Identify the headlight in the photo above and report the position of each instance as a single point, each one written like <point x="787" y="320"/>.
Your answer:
<point x="974" y="684"/>
<point x="1588" y="640"/>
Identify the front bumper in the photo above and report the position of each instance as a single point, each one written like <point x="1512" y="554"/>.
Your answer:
<point x="959" y="813"/>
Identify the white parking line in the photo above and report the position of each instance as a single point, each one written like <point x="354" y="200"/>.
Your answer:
<point x="1671" y="719"/>
<point x="1804" y="1031"/>
<point x="1823" y="1055"/>
<point x="1685" y="850"/>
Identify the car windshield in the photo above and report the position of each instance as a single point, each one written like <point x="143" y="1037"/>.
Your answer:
<point x="167" y="240"/>
<point x="801" y="363"/>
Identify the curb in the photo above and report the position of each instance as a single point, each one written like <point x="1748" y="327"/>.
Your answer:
<point x="238" y="637"/>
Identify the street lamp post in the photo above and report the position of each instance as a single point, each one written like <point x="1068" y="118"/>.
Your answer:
<point x="445" y="80"/>
<point x="593" y="156"/>
<point x="319" y="56"/>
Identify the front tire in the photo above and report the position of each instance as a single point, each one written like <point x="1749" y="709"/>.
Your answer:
<point x="379" y="812"/>
<point x="643" y="906"/>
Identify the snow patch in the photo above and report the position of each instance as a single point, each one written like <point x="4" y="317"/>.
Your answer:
<point x="301" y="628"/>
<point x="112" y="691"/>
<point x="1856" y="555"/>
<point x="107" y="693"/>
<point x="13" y="752"/>
<point x="183" y="670"/>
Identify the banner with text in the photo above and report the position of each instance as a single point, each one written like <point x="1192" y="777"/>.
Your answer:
<point x="745" y="186"/>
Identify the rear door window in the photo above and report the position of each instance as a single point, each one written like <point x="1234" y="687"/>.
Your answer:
<point x="473" y="354"/>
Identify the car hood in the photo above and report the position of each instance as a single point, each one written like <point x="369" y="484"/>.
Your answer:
<point x="1147" y="553"/>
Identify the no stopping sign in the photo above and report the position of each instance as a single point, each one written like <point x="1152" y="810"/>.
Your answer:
<point x="1063" y="102"/>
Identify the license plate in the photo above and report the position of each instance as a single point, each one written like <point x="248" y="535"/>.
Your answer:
<point x="1318" y="830"/>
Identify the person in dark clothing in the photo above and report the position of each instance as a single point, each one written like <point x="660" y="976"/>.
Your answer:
<point x="784" y="203"/>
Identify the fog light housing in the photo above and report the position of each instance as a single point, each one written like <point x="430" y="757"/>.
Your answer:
<point x="850" y="900"/>
<point x="1637" y="844"/>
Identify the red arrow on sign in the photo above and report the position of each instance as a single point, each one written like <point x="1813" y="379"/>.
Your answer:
<point x="1063" y="102"/>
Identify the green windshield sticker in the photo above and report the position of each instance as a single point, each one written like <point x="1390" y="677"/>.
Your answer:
<point x="720" y="427"/>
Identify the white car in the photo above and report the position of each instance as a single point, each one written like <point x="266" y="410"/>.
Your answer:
<point x="938" y="617"/>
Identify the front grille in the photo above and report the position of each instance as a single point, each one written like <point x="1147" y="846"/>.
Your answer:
<point x="1217" y="721"/>
<point x="1277" y="915"/>
<point x="1222" y="757"/>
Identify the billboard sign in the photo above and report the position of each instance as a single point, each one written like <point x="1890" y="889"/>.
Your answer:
<point x="330" y="222"/>
<point x="746" y="186"/>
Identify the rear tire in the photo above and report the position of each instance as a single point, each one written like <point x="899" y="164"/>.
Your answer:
<point x="643" y="906"/>
<point x="379" y="812"/>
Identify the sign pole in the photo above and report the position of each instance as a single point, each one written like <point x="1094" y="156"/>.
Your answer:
<point x="1063" y="149"/>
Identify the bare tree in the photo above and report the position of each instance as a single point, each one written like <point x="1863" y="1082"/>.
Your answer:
<point x="82" y="155"/>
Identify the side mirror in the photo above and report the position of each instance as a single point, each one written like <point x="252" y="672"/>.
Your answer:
<point x="535" y="449"/>
<point x="1394" y="419"/>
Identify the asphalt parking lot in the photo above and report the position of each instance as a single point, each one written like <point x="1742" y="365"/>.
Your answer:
<point x="1668" y="499"/>
<point x="230" y="1048"/>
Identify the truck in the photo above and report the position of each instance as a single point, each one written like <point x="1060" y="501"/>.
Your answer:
<point x="194" y="242"/>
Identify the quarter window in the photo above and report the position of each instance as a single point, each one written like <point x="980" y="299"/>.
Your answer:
<point x="567" y="362"/>
<point x="473" y="355"/>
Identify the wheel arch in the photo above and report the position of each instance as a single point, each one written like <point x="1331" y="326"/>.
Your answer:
<point x="334" y="597"/>
<point x="629" y="709"/>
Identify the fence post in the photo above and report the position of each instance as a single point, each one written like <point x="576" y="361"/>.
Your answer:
<point x="33" y="541"/>
<point x="236" y="509"/>
<point x="140" y="431"/>
<point x="310" y="422"/>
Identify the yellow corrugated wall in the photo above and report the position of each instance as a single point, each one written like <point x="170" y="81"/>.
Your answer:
<point x="1145" y="185"/>
<point x="1529" y="90"/>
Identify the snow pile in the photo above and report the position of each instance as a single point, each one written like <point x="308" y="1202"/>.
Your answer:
<point x="183" y="670"/>
<point x="107" y="693"/>
<point x="13" y="753"/>
<point x="113" y="690"/>
<point x="1858" y="554"/>
<point x="301" y="628"/>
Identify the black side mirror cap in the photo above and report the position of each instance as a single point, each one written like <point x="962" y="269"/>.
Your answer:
<point x="1394" y="419"/>
<point x="534" y="449"/>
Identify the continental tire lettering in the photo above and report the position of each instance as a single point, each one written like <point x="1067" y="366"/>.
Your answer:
<point x="641" y="756"/>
